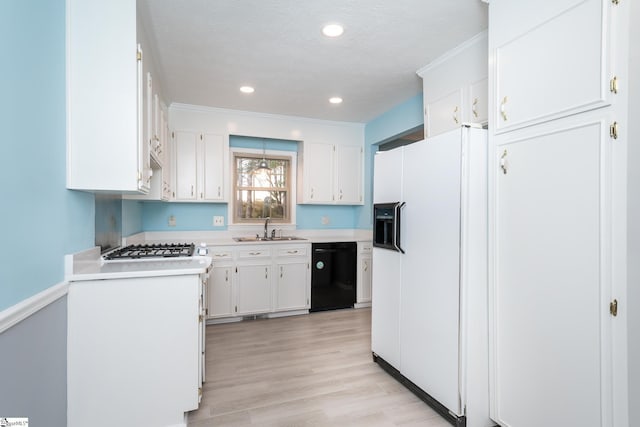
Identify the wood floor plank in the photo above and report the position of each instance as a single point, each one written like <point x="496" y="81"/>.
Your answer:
<point x="312" y="370"/>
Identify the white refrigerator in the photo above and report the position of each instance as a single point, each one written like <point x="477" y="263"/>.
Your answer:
<point x="429" y="301"/>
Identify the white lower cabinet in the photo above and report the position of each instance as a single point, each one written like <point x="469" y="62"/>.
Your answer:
<point x="220" y="285"/>
<point x="254" y="288"/>
<point x="259" y="279"/>
<point x="292" y="269"/>
<point x="221" y="292"/>
<point x="363" y="294"/>
<point x="124" y="359"/>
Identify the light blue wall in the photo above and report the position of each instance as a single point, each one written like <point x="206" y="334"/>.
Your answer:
<point x="398" y="120"/>
<point x="131" y="217"/>
<point x="188" y="216"/>
<point x="39" y="216"/>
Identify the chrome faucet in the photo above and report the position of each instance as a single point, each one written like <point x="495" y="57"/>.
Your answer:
<point x="266" y="222"/>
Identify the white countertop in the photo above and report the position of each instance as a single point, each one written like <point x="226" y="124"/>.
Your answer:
<point x="88" y="265"/>
<point x="225" y="238"/>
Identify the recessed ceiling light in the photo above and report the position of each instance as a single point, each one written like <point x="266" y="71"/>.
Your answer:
<point x="247" y="89"/>
<point x="332" y="30"/>
<point x="335" y="100"/>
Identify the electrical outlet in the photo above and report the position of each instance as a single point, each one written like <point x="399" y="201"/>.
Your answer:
<point x="218" y="221"/>
<point x="325" y="220"/>
<point x="172" y="221"/>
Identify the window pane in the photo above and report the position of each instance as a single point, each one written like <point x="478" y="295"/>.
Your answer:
<point x="253" y="204"/>
<point x="261" y="193"/>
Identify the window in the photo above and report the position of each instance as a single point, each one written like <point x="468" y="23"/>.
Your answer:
<point x="260" y="193"/>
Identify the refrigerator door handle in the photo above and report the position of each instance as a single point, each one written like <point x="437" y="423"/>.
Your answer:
<point x="396" y="226"/>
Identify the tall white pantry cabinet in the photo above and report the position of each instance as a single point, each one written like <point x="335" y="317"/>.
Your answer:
<point x="560" y="194"/>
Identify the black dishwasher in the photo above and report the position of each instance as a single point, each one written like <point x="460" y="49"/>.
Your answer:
<point x="333" y="278"/>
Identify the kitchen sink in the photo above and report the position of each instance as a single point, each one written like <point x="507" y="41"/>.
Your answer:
<point x="267" y="239"/>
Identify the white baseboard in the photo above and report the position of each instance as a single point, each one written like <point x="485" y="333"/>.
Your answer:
<point x="25" y="308"/>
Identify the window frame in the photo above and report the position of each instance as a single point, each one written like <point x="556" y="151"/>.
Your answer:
<point x="292" y="189"/>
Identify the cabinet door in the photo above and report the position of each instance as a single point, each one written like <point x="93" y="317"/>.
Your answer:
<point x="104" y="108"/>
<point x="479" y="102"/>
<point x="318" y="173"/>
<point x="444" y="114"/>
<point x="147" y="107"/>
<point x="220" y="292"/>
<point x="167" y="158"/>
<point x="212" y="184"/>
<point x="348" y="161"/>
<point x="550" y="295"/>
<point x="550" y="62"/>
<point x="387" y="176"/>
<point x="364" y="281"/>
<point x="293" y="285"/>
<point x="254" y="288"/>
<point x="186" y="165"/>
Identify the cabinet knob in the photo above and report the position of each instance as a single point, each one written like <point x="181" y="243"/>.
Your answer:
<point x="503" y="162"/>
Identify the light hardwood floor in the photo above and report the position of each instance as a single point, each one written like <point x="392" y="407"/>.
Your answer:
<point x="310" y="370"/>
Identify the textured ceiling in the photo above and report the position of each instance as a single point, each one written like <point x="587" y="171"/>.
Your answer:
<point x="207" y="49"/>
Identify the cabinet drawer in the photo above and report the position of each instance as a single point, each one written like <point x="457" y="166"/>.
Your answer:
<point x="254" y="252"/>
<point x="293" y="251"/>
<point x="221" y="254"/>
<point x="365" y="248"/>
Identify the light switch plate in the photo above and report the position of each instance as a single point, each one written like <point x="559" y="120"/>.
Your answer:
<point x="218" y="221"/>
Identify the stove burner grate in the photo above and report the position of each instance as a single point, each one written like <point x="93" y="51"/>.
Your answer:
<point x="163" y="250"/>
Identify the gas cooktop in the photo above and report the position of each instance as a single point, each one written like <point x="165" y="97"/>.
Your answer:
<point x="162" y="250"/>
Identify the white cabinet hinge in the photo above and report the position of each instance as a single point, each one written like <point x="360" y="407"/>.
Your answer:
<point x="613" y="308"/>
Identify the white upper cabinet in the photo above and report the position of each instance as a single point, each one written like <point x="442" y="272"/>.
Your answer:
<point x="455" y="87"/>
<point x="185" y="146"/>
<point x="316" y="169"/>
<point x="444" y="114"/>
<point x="348" y="184"/>
<point x="104" y="97"/>
<point x="212" y="153"/>
<point x="479" y="101"/>
<point x="330" y="174"/>
<point x="200" y="166"/>
<point x="553" y="65"/>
